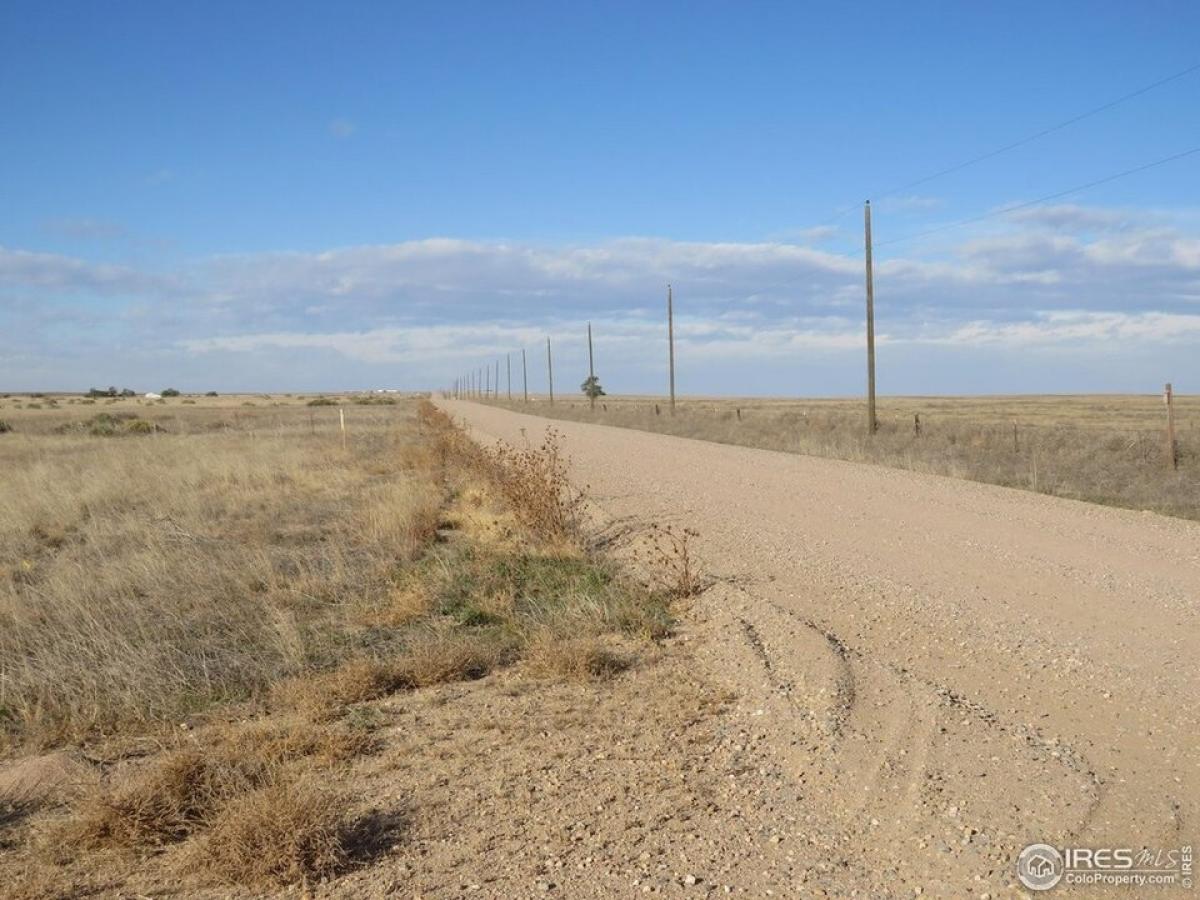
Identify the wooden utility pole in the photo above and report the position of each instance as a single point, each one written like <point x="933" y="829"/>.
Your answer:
<point x="487" y="381"/>
<point x="1172" y="450"/>
<point x="496" y="383"/>
<point x="550" y="370"/>
<point x="524" y="375"/>
<point x="872" y="422"/>
<point x="508" y="372"/>
<point x="671" y="344"/>
<point x="591" y="372"/>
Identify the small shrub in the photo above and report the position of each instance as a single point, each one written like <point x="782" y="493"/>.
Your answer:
<point x="5" y="427"/>
<point x="173" y="798"/>
<point x="321" y="401"/>
<point x="553" y="654"/>
<point x="281" y="834"/>
<point x="140" y="426"/>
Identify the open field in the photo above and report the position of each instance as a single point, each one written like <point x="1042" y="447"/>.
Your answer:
<point x="205" y="608"/>
<point x="238" y="657"/>
<point x="1104" y="449"/>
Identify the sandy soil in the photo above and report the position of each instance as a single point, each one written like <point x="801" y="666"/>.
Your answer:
<point x="925" y="674"/>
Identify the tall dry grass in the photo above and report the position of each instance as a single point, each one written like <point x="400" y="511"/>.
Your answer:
<point x="143" y="578"/>
<point x="150" y="573"/>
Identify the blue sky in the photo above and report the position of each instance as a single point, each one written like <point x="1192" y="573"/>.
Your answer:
<point x="312" y="196"/>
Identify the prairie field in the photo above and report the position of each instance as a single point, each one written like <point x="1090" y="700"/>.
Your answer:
<point x="200" y="599"/>
<point x="1108" y="449"/>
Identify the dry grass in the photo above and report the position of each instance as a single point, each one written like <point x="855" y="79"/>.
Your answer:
<point x="282" y="833"/>
<point x="1104" y="449"/>
<point x="222" y="555"/>
<point x="144" y="580"/>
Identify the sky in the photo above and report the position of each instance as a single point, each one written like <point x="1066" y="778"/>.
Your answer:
<point x="315" y="196"/>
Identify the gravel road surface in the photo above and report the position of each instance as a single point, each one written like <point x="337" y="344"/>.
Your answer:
<point x="945" y="670"/>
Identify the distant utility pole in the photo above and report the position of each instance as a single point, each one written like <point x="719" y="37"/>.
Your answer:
<point x="591" y="371"/>
<point x="508" y="372"/>
<point x="496" y="383"/>
<point x="487" y="381"/>
<point x="524" y="375"/>
<point x="872" y="422"/>
<point x="1172" y="451"/>
<point x="671" y="344"/>
<point x="550" y="370"/>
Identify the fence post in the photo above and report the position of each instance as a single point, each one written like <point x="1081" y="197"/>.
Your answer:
<point x="1172" y="450"/>
<point x="342" y="420"/>
<point x="550" y="370"/>
<point x="917" y="424"/>
<point x="508" y="370"/>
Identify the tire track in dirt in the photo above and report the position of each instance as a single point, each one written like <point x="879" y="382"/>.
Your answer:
<point x="948" y="670"/>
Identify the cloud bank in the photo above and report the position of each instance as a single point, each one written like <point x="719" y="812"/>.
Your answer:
<point x="1050" y="298"/>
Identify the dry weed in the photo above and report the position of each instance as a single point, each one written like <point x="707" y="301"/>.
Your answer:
<point x="285" y="832"/>
<point x="552" y="654"/>
<point x="177" y="795"/>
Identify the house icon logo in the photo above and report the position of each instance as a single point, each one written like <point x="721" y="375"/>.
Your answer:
<point x="1039" y="867"/>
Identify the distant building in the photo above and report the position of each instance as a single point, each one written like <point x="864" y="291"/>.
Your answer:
<point x="153" y="396"/>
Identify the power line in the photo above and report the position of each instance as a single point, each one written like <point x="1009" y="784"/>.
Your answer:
<point x="1000" y="212"/>
<point x="1040" y="134"/>
<point x="1048" y="197"/>
<point x="983" y="157"/>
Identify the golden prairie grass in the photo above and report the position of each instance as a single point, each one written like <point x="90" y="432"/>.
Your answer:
<point x="151" y="578"/>
<point x="142" y="579"/>
<point x="1102" y="449"/>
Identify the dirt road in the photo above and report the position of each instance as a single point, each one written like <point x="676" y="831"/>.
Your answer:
<point x="945" y="671"/>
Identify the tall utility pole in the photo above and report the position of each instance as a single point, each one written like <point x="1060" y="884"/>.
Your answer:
<point x="591" y="371"/>
<point x="872" y="422"/>
<point x="1172" y="451"/>
<point x="524" y="375"/>
<point x="671" y="344"/>
<point x="550" y="370"/>
<point x="496" y="383"/>
<point x="487" y="381"/>
<point x="508" y="371"/>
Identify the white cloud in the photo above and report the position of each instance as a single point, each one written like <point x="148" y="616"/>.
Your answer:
<point x="423" y="307"/>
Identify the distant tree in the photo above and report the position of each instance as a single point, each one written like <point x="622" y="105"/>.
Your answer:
<point x="211" y="394"/>
<point x="169" y="392"/>
<point x="126" y="392"/>
<point x="591" y="387"/>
